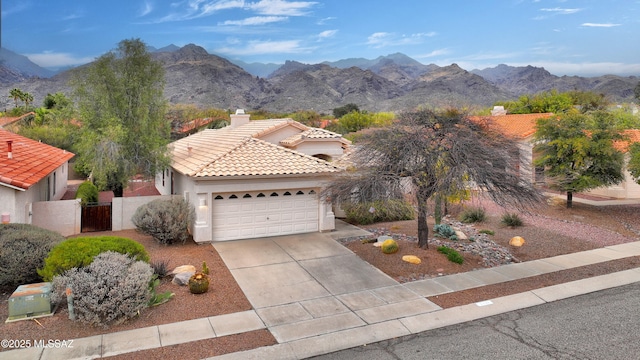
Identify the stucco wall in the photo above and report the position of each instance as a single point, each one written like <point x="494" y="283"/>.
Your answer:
<point x="123" y="208"/>
<point x="61" y="216"/>
<point x="331" y="148"/>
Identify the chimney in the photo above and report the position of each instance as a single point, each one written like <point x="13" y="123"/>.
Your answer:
<point x="498" y="110"/>
<point x="10" y="151"/>
<point x="239" y="118"/>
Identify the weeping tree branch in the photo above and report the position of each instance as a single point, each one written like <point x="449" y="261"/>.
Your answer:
<point x="427" y="152"/>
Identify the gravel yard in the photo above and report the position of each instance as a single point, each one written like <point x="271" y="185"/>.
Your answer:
<point x="548" y="231"/>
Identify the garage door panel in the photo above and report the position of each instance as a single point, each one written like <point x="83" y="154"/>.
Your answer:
<point x="251" y="217"/>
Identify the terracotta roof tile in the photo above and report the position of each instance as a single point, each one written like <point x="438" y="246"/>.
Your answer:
<point x="518" y="125"/>
<point x="312" y="133"/>
<point x="32" y="160"/>
<point x="631" y="136"/>
<point x="235" y="152"/>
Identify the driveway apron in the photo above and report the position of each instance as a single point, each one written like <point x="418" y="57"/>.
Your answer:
<point x="286" y="269"/>
<point x="308" y="284"/>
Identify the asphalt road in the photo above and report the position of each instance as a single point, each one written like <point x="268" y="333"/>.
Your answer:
<point x="601" y="325"/>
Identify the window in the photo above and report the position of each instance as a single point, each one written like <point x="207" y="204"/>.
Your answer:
<point x="286" y="193"/>
<point x="218" y="197"/>
<point x="274" y="194"/>
<point x="233" y="196"/>
<point x="246" y="196"/>
<point x="261" y="195"/>
<point x="299" y="192"/>
<point x="312" y="192"/>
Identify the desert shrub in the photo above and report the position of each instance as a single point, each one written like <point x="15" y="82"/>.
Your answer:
<point x="472" y="215"/>
<point x="445" y="231"/>
<point x="23" y="249"/>
<point x="160" y="268"/>
<point x="486" y="231"/>
<point x="87" y="193"/>
<point x="80" y="252"/>
<point x="365" y="213"/>
<point x="451" y="254"/>
<point x="389" y="246"/>
<point x="167" y="221"/>
<point x="113" y="288"/>
<point x="511" y="219"/>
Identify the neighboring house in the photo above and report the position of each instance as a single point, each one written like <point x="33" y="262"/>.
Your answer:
<point x="9" y="122"/>
<point x="254" y="178"/>
<point x="627" y="189"/>
<point x="523" y="127"/>
<point x="30" y="171"/>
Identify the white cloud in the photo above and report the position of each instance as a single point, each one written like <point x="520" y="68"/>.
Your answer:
<point x="145" y="9"/>
<point x="325" y="20"/>
<point x="281" y="7"/>
<point x="49" y="59"/>
<point x="266" y="47"/>
<point x="599" y="25"/>
<point x="434" y="53"/>
<point x="384" y="39"/>
<point x="256" y="20"/>
<point x="561" y="11"/>
<point x="327" y="34"/>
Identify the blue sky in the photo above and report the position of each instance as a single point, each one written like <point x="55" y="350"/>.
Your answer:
<point x="567" y="37"/>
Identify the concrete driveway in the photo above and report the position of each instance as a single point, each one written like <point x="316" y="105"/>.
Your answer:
<point x="285" y="269"/>
<point x="309" y="284"/>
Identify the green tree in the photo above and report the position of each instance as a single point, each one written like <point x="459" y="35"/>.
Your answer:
<point x="122" y="109"/>
<point x="16" y="94"/>
<point x="345" y="109"/>
<point x="436" y="152"/>
<point x="577" y="157"/>
<point x="636" y="92"/>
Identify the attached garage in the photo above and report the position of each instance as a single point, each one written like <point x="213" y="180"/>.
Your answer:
<point x="267" y="213"/>
<point x="244" y="183"/>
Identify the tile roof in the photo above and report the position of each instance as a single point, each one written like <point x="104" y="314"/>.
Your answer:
<point x="227" y="152"/>
<point x="259" y="128"/>
<point x="31" y="162"/>
<point x="312" y="133"/>
<point x="6" y="120"/>
<point x="519" y="125"/>
<point x="631" y="136"/>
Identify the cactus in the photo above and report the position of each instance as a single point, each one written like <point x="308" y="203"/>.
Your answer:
<point x="205" y="269"/>
<point x="198" y="283"/>
<point x="389" y="246"/>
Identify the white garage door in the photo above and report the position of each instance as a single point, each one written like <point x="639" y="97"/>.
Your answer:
<point x="261" y="214"/>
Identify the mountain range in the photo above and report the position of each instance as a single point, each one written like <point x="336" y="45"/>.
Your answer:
<point x="388" y="83"/>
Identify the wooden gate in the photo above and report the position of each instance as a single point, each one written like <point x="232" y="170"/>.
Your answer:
<point x="96" y="217"/>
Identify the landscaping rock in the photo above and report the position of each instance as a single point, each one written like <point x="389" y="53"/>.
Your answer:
<point x="411" y="259"/>
<point x="182" y="274"/>
<point x="516" y="241"/>
<point x="382" y="238"/>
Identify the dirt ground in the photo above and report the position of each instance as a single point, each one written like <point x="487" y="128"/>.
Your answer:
<point x="548" y="231"/>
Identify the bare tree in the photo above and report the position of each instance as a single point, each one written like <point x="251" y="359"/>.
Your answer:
<point x="427" y="152"/>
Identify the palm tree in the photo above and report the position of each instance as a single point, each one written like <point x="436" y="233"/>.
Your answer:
<point x="16" y="94"/>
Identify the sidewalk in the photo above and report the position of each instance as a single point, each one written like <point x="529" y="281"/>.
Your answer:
<point x="339" y="320"/>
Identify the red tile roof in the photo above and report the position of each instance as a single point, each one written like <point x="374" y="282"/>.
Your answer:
<point x="518" y="125"/>
<point x="10" y="120"/>
<point x="31" y="160"/>
<point x="631" y="136"/>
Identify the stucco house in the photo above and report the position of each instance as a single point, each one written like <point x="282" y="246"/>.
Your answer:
<point x="523" y="127"/>
<point x="30" y="171"/>
<point x="254" y="178"/>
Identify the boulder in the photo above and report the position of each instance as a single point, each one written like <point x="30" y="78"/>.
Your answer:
<point x="411" y="259"/>
<point x="181" y="274"/>
<point x="516" y="241"/>
<point x="183" y="268"/>
<point x="461" y="235"/>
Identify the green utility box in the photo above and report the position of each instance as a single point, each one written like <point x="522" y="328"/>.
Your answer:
<point x="30" y="301"/>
